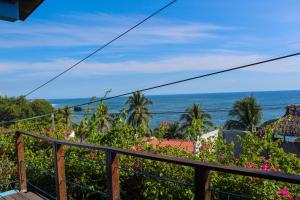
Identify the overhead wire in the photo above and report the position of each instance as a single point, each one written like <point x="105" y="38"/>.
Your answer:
<point x="101" y="48"/>
<point x="175" y="82"/>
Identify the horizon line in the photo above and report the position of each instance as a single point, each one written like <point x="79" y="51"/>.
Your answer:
<point x="257" y="91"/>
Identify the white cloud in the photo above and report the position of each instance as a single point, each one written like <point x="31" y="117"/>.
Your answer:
<point x="196" y="62"/>
<point x="95" y="29"/>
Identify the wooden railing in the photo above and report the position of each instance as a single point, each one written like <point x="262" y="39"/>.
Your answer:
<point x="202" y="169"/>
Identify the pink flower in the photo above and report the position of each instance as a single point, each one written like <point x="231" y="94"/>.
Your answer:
<point x="265" y="167"/>
<point x="283" y="192"/>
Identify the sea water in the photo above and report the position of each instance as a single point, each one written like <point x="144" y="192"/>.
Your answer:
<point x="217" y="104"/>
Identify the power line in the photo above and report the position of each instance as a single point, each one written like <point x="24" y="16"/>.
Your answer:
<point x="191" y="78"/>
<point x="101" y="48"/>
<point x="25" y="119"/>
<point x="179" y="81"/>
<point x="162" y="112"/>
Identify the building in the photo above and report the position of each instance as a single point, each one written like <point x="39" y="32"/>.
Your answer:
<point x="13" y="10"/>
<point x="189" y="146"/>
<point x="288" y="129"/>
<point x="289" y="126"/>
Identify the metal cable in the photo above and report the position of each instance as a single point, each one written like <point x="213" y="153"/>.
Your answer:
<point x="264" y="107"/>
<point x="41" y="190"/>
<point x="149" y="175"/>
<point x="101" y="48"/>
<point x="86" y="161"/>
<point x="86" y="188"/>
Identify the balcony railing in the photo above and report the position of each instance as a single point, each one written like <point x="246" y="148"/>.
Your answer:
<point x="202" y="170"/>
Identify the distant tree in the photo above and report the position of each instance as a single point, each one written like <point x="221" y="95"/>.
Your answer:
<point x="168" y="130"/>
<point x="195" y="112"/>
<point x="101" y="118"/>
<point x="174" y="131"/>
<point x="138" y="113"/>
<point x="41" y="106"/>
<point x="246" y="114"/>
<point x="12" y="108"/>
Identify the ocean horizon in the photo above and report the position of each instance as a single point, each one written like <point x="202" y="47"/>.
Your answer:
<point x="216" y="104"/>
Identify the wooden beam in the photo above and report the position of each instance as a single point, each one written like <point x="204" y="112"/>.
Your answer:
<point x="112" y="176"/>
<point x="21" y="164"/>
<point x="60" y="176"/>
<point x="202" y="184"/>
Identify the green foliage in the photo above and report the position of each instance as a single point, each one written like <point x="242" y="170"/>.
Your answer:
<point x="101" y="119"/>
<point x="246" y="114"/>
<point x="64" y="116"/>
<point x="19" y="108"/>
<point x="168" y="130"/>
<point x="139" y="115"/>
<point x="197" y="128"/>
<point x="195" y="112"/>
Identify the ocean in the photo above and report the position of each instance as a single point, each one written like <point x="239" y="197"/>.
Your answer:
<point x="217" y="104"/>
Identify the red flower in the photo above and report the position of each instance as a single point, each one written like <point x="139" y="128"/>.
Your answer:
<point x="249" y="165"/>
<point x="273" y="169"/>
<point x="203" y="146"/>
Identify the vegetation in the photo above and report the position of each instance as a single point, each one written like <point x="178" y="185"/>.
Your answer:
<point x="195" y="112"/>
<point x="168" y="130"/>
<point x="139" y="115"/>
<point x="87" y="167"/>
<point x="246" y="114"/>
<point x="64" y="116"/>
<point x="19" y="108"/>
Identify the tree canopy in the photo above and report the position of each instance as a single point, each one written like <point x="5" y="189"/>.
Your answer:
<point x="12" y="108"/>
<point x="246" y="114"/>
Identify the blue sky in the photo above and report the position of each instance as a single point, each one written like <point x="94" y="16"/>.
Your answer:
<point x="190" y="38"/>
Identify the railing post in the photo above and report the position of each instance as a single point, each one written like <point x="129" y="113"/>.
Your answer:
<point x="112" y="176"/>
<point x="60" y="176"/>
<point x="202" y="184"/>
<point x="21" y="164"/>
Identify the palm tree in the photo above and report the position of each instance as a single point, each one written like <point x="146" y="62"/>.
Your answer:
<point x="101" y="119"/>
<point x="247" y="114"/>
<point x="192" y="113"/>
<point x="174" y="130"/>
<point x="138" y="113"/>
